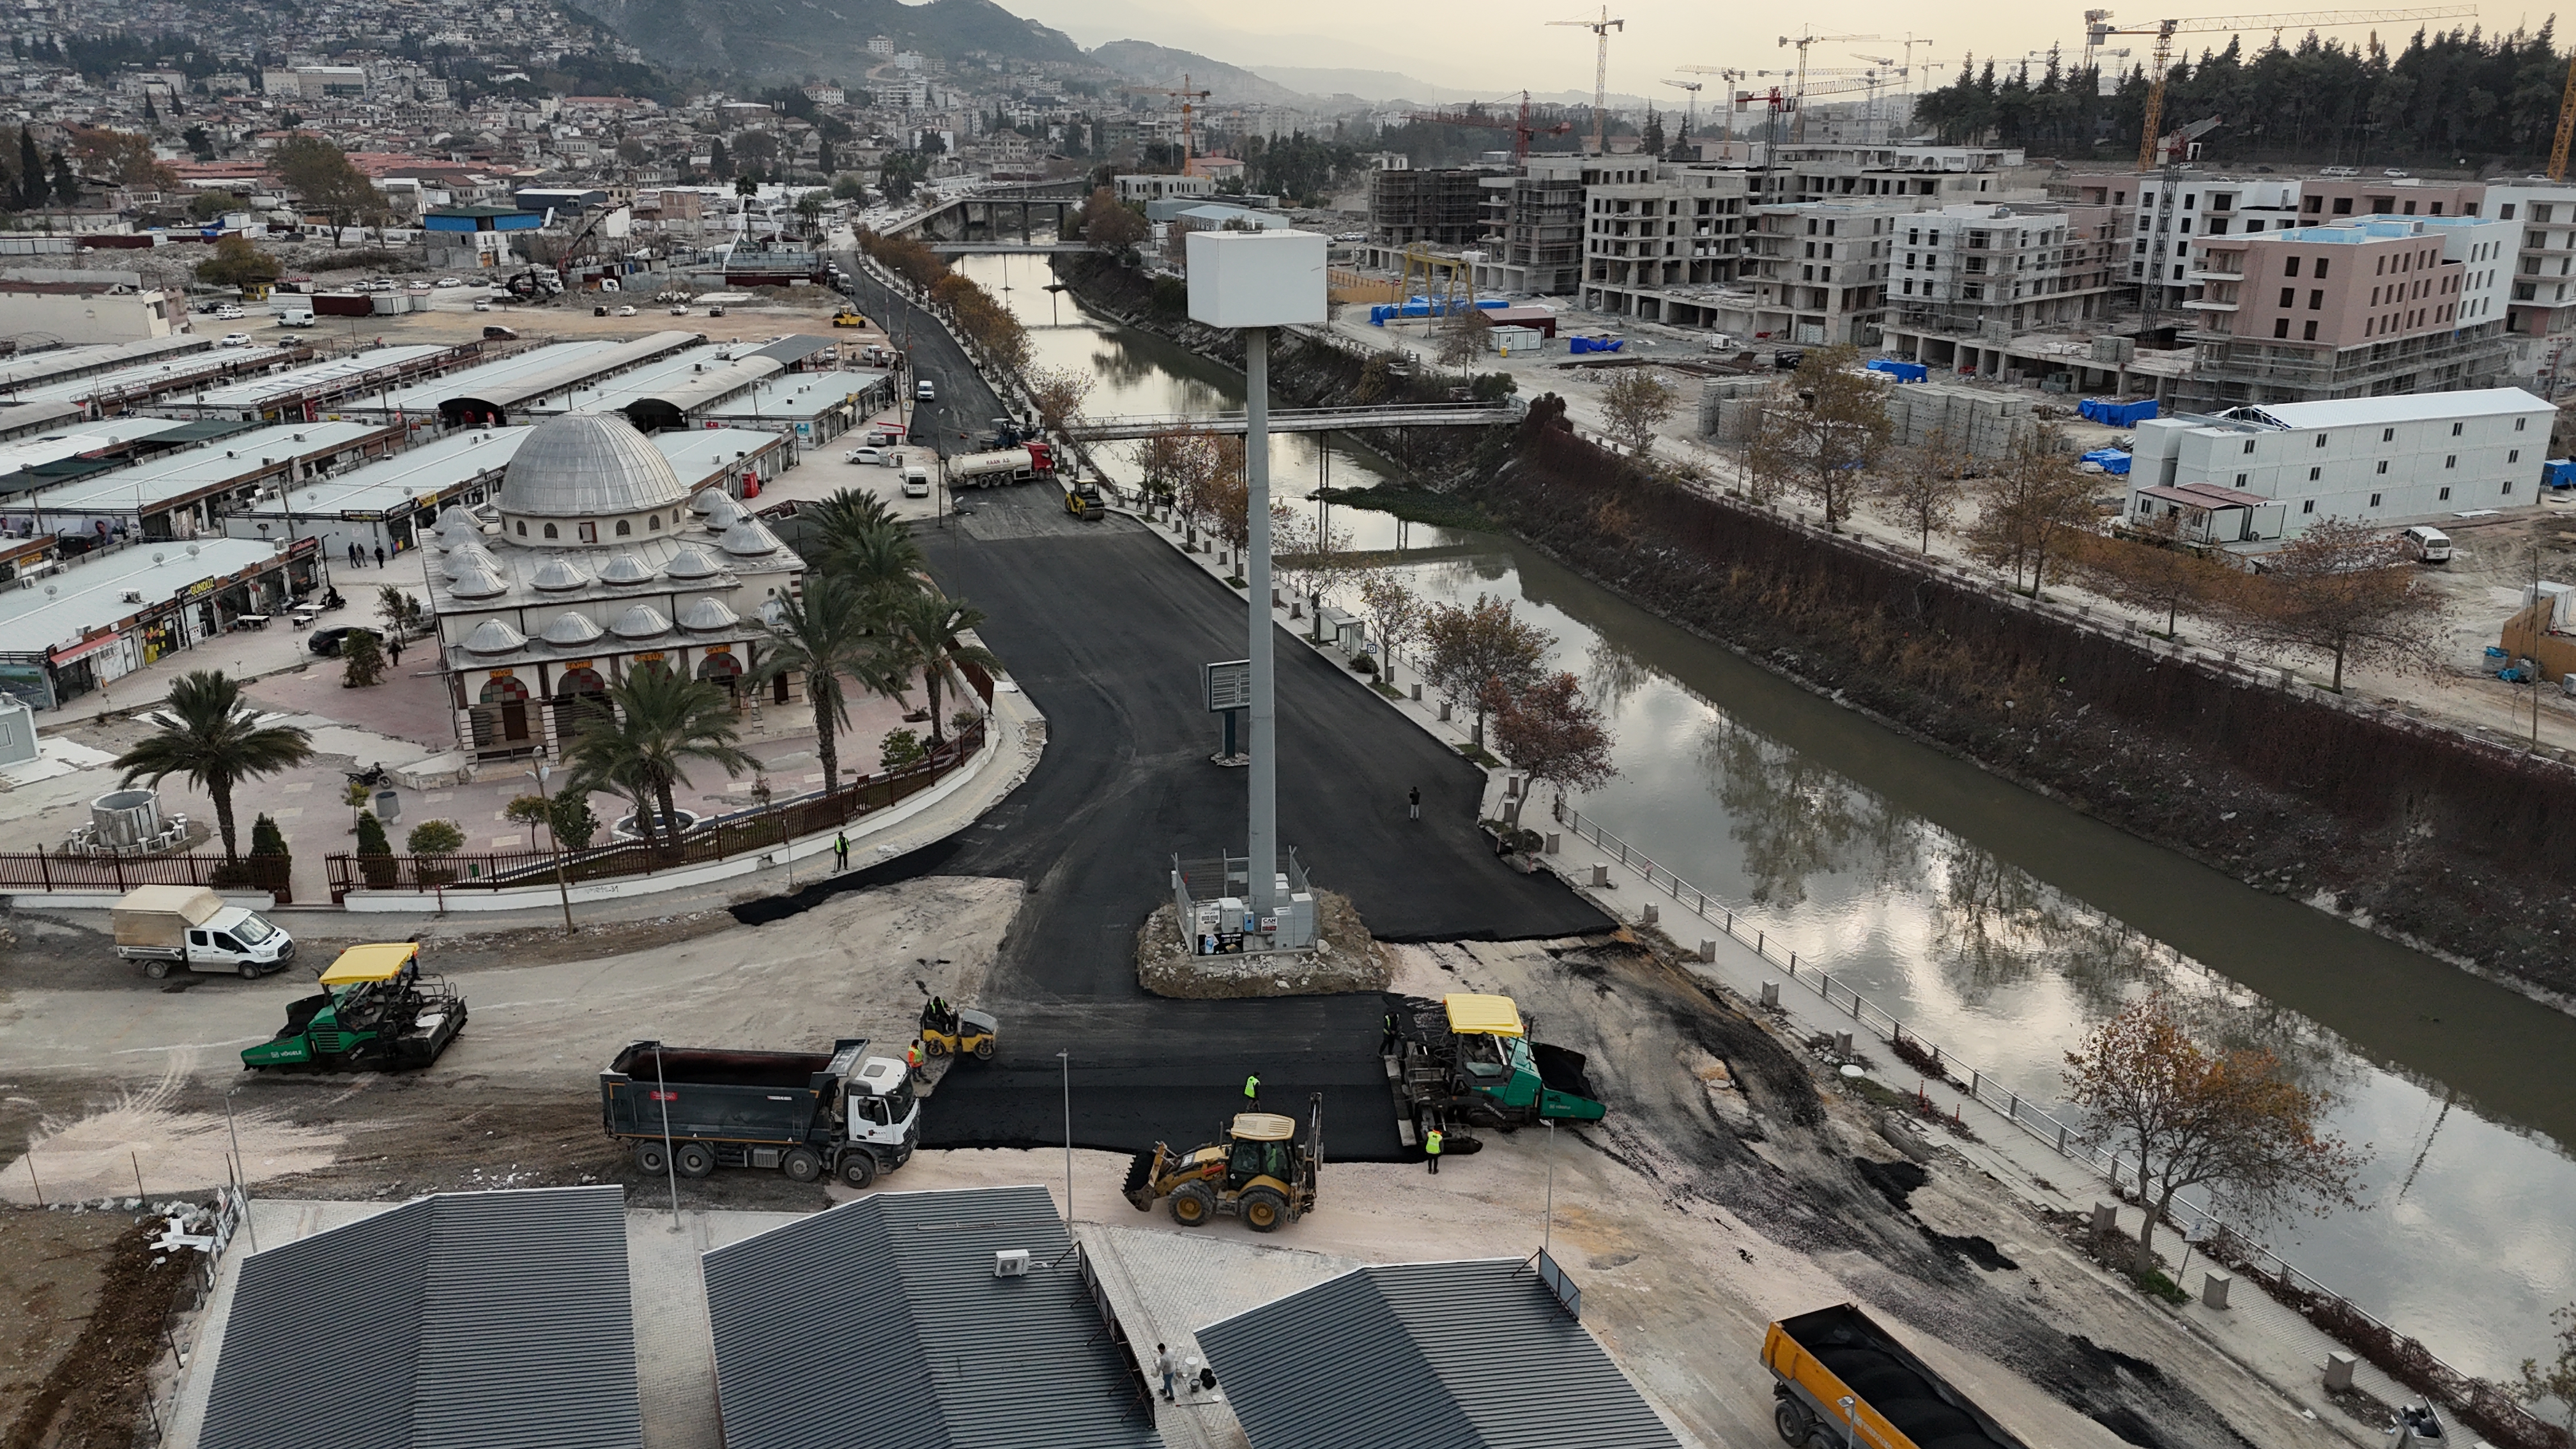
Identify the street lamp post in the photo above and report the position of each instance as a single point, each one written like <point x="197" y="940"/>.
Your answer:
<point x="562" y="890"/>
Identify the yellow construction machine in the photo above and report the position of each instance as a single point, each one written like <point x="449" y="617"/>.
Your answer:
<point x="958" y="1031"/>
<point x="1259" y="1173"/>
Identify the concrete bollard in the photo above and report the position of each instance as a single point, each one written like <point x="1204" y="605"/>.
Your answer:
<point x="2106" y="1216"/>
<point x="1653" y="916"/>
<point x="1708" y="950"/>
<point x="1770" y="993"/>
<point x="2339" y="1368"/>
<point x="1417" y="694"/>
<point x="1554" y="842"/>
<point x="1843" y="1045"/>
<point x="1511" y="787"/>
<point x="1600" y="876"/>
<point x="2214" y="1286"/>
<point x="1512" y="813"/>
<point x="1444" y="711"/>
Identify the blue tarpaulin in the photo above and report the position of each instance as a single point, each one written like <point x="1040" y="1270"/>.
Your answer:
<point x="1899" y="369"/>
<point x="2559" y="472"/>
<point x="2113" y="413"/>
<point x="2109" y="460"/>
<point x="1596" y="344"/>
<point x="1418" y="307"/>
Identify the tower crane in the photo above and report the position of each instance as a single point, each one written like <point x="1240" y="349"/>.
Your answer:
<point x="1521" y="129"/>
<point x="2098" y="28"/>
<point x="1600" y="29"/>
<point x="1186" y="95"/>
<point x="2566" y="125"/>
<point x="1728" y="74"/>
<point x="1798" y="127"/>
<point x="1690" y="113"/>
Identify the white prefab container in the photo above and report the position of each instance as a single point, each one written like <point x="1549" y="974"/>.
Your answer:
<point x="1256" y="278"/>
<point x="1511" y="341"/>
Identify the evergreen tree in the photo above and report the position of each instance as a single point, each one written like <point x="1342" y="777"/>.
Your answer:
<point x="151" y="113"/>
<point x="66" y="185"/>
<point x="31" y="171"/>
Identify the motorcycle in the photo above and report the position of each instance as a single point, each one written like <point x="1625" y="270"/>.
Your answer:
<point x="331" y="599"/>
<point x="373" y="776"/>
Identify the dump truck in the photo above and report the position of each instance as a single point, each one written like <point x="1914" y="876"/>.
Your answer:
<point x="1257" y="1172"/>
<point x="1840" y="1381"/>
<point x="374" y="1013"/>
<point x="1468" y="1060"/>
<point x="802" y="1113"/>
<point x="164" y="926"/>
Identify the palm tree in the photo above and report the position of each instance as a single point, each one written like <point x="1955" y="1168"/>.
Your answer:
<point x="211" y="735"/>
<point x="825" y="634"/>
<point x="929" y="627"/>
<point x="853" y="534"/>
<point x="663" y="722"/>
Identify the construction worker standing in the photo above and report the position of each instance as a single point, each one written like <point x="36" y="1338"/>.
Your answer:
<point x="912" y="1060"/>
<point x="1252" y="1093"/>
<point x="1431" y="1149"/>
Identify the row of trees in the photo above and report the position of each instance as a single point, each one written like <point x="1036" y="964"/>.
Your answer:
<point x="2341" y="590"/>
<point x="983" y="321"/>
<point x="2456" y="97"/>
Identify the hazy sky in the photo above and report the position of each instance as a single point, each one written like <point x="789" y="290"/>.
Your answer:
<point x="1497" y="46"/>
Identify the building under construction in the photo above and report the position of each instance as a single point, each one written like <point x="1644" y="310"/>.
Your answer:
<point x="1445" y="207"/>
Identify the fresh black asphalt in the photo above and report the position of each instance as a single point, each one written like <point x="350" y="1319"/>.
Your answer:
<point x="1105" y="628"/>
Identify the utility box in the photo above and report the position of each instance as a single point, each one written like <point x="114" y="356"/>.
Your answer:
<point x="1256" y="278"/>
<point x="17" y="732"/>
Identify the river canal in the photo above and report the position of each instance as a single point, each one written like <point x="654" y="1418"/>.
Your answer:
<point x="1997" y="922"/>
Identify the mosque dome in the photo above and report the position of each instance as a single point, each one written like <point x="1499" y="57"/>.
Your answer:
<point x="589" y="465"/>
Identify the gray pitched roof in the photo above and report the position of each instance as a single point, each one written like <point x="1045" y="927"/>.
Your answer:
<point x="880" y="1324"/>
<point x="483" y="1319"/>
<point x="1471" y="1355"/>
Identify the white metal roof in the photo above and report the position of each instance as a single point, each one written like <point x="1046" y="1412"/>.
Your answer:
<point x="30" y="368"/>
<point x="174" y="371"/>
<point x="424" y="397"/>
<point x="252" y="391"/>
<point x="175" y="475"/>
<point x="2412" y="408"/>
<point x="90" y="594"/>
<point x="680" y="372"/>
<point x="391" y="481"/>
<point x="706" y="455"/>
<point x="86" y="438"/>
<point x="799" y="396"/>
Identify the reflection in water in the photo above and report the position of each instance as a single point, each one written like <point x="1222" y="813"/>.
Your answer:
<point x="1795" y="818"/>
<point x="1611" y="674"/>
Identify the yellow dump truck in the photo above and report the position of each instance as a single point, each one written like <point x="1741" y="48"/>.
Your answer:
<point x="1843" y="1382"/>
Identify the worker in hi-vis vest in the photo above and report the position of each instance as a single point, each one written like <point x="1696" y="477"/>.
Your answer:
<point x="1431" y="1149"/>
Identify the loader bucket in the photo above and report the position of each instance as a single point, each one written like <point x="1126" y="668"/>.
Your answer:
<point x="1142" y="1170"/>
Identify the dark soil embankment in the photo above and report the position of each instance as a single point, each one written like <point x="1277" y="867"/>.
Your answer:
<point x="2417" y="833"/>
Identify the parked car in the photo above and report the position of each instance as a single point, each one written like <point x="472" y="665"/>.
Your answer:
<point x="864" y="455"/>
<point x="482" y="306"/>
<point x="327" y="642"/>
<point x="233" y="339"/>
<point x="626" y="311"/>
<point x="679" y="310"/>
<point x="449" y="282"/>
<point x="228" y="313"/>
<point x="498" y="333"/>
<point x="2425" y="545"/>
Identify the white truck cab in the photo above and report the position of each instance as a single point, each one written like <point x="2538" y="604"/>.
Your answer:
<point x="883" y="1112"/>
<point x="190" y="926"/>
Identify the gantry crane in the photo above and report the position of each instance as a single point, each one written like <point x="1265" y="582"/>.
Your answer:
<point x="1798" y="127"/>
<point x="1521" y="129"/>
<point x="1600" y="29"/>
<point x="1187" y="95"/>
<point x="1690" y="113"/>
<point x="2098" y="28"/>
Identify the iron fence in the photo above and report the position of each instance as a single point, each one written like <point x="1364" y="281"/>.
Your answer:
<point x="2199" y="1225"/>
<point x="766" y="827"/>
<point x="43" y="870"/>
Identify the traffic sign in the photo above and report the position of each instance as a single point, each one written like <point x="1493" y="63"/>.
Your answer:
<point x="1229" y="685"/>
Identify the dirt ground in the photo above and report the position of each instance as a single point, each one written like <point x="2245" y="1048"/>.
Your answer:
<point x="84" y="1300"/>
<point x="53" y="1267"/>
<point x="1733" y="1182"/>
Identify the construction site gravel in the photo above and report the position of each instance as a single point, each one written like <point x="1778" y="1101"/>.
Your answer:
<point x="1734" y="1180"/>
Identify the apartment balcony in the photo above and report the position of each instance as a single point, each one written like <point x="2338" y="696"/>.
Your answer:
<point x="2210" y="304"/>
<point x="2206" y="274"/>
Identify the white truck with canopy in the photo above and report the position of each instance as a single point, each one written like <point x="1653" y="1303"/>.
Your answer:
<point x="190" y="926"/>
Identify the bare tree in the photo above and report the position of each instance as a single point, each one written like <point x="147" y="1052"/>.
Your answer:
<point x="2028" y="508"/>
<point x="1635" y="404"/>
<point x="1468" y="644"/>
<point x="1059" y="394"/>
<point x="1108" y="224"/>
<point x="2344" y="590"/>
<point x="1923" y="484"/>
<point x="1308" y="557"/>
<point x="2230" y="1122"/>
<point x="2157" y="572"/>
<point x="1552" y="734"/>
<point x="1397" y="614"/>
<point x="1824" y="437"/>
<point x="1462" y="337"/>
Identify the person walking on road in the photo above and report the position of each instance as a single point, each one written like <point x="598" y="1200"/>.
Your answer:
<point x="841" y="850"/>
<point x="1252" y="1093"/>
<point x="1413" y="803"/>
<point x="1386" y="1043"/>
<point x="1168" y="1364"/>
<point x="1431" y="1149"/>
<point x="357" y="560"/>
<point x="380" y="555"/>
<point x="393" y="650"/>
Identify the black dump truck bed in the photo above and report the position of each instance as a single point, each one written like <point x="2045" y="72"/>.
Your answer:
<point x="1819" y="1356"/>
<point x="740" y="1096"/>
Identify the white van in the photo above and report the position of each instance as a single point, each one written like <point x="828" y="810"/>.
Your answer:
<point x="916" y="482"/>
<point x="296" y="317"/>
<point x="2425" y="545"/>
